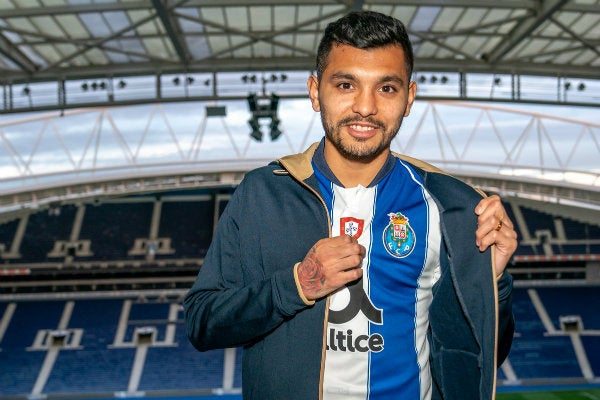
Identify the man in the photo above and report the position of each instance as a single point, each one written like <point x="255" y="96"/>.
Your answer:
<point x="349" y="272"/>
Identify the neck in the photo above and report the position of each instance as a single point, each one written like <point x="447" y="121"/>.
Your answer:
<point x="352" y="173"/>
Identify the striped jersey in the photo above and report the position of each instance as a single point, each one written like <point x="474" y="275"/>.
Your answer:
<point x="377" y="328"/>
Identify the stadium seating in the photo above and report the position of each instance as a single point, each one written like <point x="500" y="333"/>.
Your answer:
<point x="118" y="230"/>
<point x="183" y="229"/>
<point x="191" y="238"/>
<point x="100" y="342"/>
<point x="545" y="352"/>
<point x="43" y="230"/>
<point x="97" y="363"/>
<point x="580" y="302"/>
<point x="592" y="347"/>
<point x="116" y="225"/>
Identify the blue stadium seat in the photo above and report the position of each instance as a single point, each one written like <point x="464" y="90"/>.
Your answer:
<point x="572" y="301"/>
<point x="592" y="349"/>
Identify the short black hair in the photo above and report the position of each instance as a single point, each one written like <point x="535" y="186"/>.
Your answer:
<point x="364" y="30"/>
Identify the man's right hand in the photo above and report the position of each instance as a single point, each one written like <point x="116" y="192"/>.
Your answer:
<point x="330" y="264"/>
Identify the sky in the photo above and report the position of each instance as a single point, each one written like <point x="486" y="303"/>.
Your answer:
<point x="559" y="143"/>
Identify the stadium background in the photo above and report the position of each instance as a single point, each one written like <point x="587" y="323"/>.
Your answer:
<point x="126" y="125"/>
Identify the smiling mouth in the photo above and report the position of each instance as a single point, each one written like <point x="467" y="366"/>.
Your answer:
<point x="362" y="128"/>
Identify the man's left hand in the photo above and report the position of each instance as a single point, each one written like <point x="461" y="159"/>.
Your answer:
<point x="495" y="229"/>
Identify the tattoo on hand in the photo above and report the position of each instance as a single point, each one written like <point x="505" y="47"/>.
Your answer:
<point x="310" y="275"/>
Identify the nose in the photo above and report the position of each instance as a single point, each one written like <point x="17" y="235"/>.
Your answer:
<point x="365" y="103"/>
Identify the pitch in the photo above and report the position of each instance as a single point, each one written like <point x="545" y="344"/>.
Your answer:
<point x="580" y="394"/>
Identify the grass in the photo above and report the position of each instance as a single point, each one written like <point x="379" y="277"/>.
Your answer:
<point x="580" y="394"/>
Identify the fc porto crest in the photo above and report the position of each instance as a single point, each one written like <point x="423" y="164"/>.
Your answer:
<point x="398" y="237"/>
<point x="351" y="226"/>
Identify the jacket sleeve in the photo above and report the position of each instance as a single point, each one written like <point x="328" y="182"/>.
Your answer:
<point x="506" y="321"/>
<point x="233" y="301"/>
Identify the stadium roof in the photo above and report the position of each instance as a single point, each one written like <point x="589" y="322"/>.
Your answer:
<point x="75" y="43"/>
<point x="64" y="39"/>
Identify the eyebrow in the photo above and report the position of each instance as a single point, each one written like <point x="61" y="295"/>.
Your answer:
<point x="392" y="78"/>
<point x="383" y="79"/>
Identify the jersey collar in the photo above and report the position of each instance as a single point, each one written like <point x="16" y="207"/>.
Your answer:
<point x="320" y="163"/>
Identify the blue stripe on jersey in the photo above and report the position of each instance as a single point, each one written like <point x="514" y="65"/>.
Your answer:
<point x="393" y="283"/>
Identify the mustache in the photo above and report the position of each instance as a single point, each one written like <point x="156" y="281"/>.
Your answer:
<point x="369" y="120"/>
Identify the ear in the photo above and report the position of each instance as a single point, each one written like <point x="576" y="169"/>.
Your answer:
<point x="313" y="92"/>
<point x="412" y="92"/>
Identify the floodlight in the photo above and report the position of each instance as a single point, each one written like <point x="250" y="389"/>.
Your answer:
<point x="252" y="103"/>
<point x="256" y="133"/>
<point x="216" y="111"/>
<point x="275" y="132"/>
<point x="274" y="105"/>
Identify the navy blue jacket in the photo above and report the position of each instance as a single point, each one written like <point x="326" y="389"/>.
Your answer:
<point x="247" y="294"/>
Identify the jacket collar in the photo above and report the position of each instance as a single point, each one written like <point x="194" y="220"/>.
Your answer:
<point x="299" y="165"/>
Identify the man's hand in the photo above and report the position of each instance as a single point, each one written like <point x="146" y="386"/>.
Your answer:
<point x="495" y="229"/>
<point x="329" y="265"/>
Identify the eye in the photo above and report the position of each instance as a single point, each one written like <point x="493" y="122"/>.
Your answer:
<point x="388" y="89"/>
<point x="345" y="85"/>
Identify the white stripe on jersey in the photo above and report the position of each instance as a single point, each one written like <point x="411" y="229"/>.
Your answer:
<point x="357" y="202"/>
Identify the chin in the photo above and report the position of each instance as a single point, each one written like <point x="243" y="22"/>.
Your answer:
<point x="362" y="155"/>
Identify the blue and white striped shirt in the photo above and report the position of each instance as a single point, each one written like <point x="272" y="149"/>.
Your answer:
<point x="377" y="329"/>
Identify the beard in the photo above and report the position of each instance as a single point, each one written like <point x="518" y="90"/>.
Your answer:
<point x="357" y="149"/>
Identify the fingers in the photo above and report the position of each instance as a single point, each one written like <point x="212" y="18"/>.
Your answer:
<point x="492" y="218"/>
<point x="495" y="229"/>
<point x="329" y="265"/>
<point x="342" y="252"/>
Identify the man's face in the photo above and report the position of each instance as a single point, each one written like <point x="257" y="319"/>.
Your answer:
<point x="362" y="96"/>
